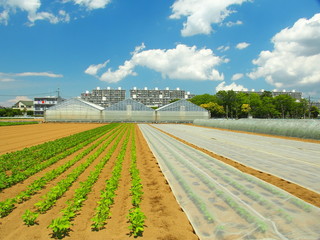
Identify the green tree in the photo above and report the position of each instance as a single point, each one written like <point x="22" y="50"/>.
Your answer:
<point x="204" y="98"/>
<point x="267" y="108"/>
<point x="284" y="104"/>
<point x="314" y="112"/>
<point x="215" y="109"/>
<point x="228" y="100"/>
<point x="255" y="104"/>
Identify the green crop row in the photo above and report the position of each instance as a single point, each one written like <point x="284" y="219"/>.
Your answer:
<point x="136" y="216"/>
<point x="19" y="160"/>
<point x="102" y="211"/>
<point x="62" y="186"/>
<point x="61" y="226"/>
<point x="26" y="166"/>
<point x="17" y="123"/>
<point x="8" y="205"/>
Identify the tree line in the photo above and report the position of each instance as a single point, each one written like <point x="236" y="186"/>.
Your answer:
<point x="10" y="112"/>
<point x="230" y="104"/>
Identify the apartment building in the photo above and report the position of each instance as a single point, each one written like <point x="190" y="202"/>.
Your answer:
<point x="43" y="103"/>
<point x="158" y="97"/>
<point x="104" y="97"/>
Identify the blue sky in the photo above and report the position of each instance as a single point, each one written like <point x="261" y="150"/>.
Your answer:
<point x="201" y="46"/>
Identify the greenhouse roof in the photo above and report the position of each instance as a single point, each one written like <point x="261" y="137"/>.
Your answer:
<point x="182" y="105"/>
<point x="76" y="101"/>
<point x="124" y="106"/>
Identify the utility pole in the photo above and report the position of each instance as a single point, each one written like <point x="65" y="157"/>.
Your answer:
<point x="310" y="108"/>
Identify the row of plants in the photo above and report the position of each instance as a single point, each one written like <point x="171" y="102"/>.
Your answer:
<point x="62" y="225"/>
<point x="102" y="211"/>
<point x="29" y="161"/>
<point x="8" y="205"/>
<point x="136" y="216"/>
<point x="46" y="150"/>
<point x="63" y="185"/>
<point x="17" y="123"/>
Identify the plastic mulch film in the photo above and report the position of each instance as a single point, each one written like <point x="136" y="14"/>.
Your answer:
<point x="295" y="161"/>
<point x="224" y="203"/>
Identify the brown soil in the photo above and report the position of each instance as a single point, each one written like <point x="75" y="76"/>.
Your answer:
<point x="294" y="189"/>
<point x="17" y="137"/>
<point x="165" y="218"/>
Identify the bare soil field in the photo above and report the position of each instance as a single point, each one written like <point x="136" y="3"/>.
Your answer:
<point x="164" y="218"/>
<point x="14" y="138"/>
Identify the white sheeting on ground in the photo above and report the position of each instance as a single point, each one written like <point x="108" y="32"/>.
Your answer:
<point x="295" y="161"/>
<point x="224" y="203"/>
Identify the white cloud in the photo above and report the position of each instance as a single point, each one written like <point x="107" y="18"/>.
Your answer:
<point x="223" y="48"/>
<point x="6" y="79"/>
<point x="294" y="61"/>
<point x="237" y="76"/>
<point x="19" y="98"/>
<point x="4" y="17"/>
<point x="91" y="4"/>
<point x="242" y="45"/>
<point x="182" y="62"/>
<point x="233" y="86"/>
<point x="93" y="69"/>
<point x="201" y="14"/>
<point x="32" y="74"/>
<point x="31" y="7"/>
<point x="231" y="24"/>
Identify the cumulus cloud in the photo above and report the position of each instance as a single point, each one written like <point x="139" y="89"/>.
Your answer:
<point x="242" y="45"/>
<point x="237" y="76"/>
<point x="32" y="8"/>
<point x="294" y="61"/>
<point x="182" y="62"/>
<point x="233" y="86"/>
<point x="93" y="69"/>
<point x="19" y="98"/>
<point x="201" y="14"/>
<point x="91" y="4"/>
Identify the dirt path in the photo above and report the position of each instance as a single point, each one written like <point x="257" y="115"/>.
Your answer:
<point x="13" y="138"/>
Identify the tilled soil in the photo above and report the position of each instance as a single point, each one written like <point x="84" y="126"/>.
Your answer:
<point x="165" y="218"/>
<point x="14" y="138"/>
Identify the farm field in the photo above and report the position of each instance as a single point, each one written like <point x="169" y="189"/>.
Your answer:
<point x="294" y="161"/>
<point x="62" y="199"/>
<point x="17" y="137"/>
<point x="121" y="181"/>
<point x="224" y="203"/>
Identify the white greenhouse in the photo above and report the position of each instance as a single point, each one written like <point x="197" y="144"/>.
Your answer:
<point x="181" y="111"/>
<point x="74" y="110"/>
<point x="128" y="110"/>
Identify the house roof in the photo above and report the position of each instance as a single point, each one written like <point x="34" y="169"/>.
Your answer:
<point x="27" y="103"/>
